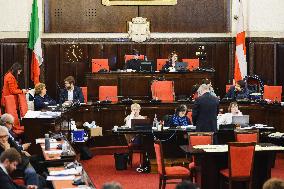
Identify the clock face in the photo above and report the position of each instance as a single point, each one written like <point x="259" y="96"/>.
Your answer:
<point x="74" y="53"/>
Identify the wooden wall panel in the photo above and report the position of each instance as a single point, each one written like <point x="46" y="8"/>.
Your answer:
<point x="86" y="16"/>
<point x="189" y="16"/>
<point x="91" y="16"/>
<point x="280" y="66"/>
<point x="264" y="62"/>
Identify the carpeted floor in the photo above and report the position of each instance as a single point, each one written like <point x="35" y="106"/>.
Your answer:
<point x="101" y="169"/>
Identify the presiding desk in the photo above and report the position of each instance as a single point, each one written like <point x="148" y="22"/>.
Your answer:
<point x="137" y="85"/>
<point x="211" y="159"/>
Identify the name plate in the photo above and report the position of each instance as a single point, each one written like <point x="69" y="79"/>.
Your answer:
<point x="139" y="2"/>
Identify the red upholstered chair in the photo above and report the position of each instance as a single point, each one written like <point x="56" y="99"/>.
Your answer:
<point x="130" y="56"/>
<point x="198" y="138"/>
<point x="108" y="93"/>
<point x="228" y="87"/>
<point x="163" y="90"/>
<point x="98" y="64"/>
<point x="247" y="136"/>
<point x="168" y="173"/>
<point x="241" y="158"/>
<point x="189" y="115"/>
<point x="192" y="64"/>
<point x="11" y="108"/>
<point x="272" y="93"/>
<point x="161" y="63"/>
<point x="85" y="93"/>
<point x="23" y="105"/>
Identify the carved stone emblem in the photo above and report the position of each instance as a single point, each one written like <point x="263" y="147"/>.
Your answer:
<point x="139" y="29"/>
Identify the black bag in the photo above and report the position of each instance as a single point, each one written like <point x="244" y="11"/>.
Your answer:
<point x="85" y="153"/>
<point x="121" y="161"/>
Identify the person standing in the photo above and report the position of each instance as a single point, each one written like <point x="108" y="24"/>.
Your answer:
<point x="205" y="110"/>
<point x="10" y="84"/>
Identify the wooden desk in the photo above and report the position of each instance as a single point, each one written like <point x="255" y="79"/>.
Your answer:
<point x="210" y="163"/>
<point x="138" y="85"/>
<point x="59" y="184"/>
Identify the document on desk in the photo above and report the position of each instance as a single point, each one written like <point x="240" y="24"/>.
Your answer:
<point x="212" y="148"/>
<point x="268" y="148"/>
<point x="42" y="140"/>
<point x="52" y="145"/>
<point x="69" y="177"/>
<point x="53" y="151"/>
<point x="64" y="172"/>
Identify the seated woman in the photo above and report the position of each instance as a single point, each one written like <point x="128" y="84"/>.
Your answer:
<point x="41" y="99"/>
<point x="135" y="114"/>
<point x="226" y="118"/>
<point x="238" y="91"/>
<point x="170" y="64"/>
<point x="180" y="118"/>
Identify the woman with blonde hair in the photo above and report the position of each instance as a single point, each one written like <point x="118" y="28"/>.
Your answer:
<point x="41" y="99"/>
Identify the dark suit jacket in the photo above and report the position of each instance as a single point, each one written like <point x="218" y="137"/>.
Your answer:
<point x="77" y="95"/>
<point x="7" y="182"/>
<point x="204" y="113"/>
<point x="43" y="102"/>
<point x="167" y="66"/>
<point x="233" y="94"/>
<point x="133" y="64"/>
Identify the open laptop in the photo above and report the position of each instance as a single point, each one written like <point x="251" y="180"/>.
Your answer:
<point x="147" y="66"/>
<point x="141" y="124"/>
<point x="181" y="66"/>
<point x="241" y="120"/>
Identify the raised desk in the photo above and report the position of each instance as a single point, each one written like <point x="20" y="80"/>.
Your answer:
<point x="210" y="163"/>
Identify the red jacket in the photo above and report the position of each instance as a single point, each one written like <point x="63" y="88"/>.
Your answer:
<point x="10" y="87"/>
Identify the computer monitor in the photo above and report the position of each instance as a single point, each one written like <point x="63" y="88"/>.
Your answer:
<point x="240" y="120"/>
<point x="147" y="66"/>
<point x="181" y="66"/>
<point x="141" y="124"/>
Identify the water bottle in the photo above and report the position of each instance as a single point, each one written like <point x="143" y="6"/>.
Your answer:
<point x="147" y="164"/>
<point x="155" y="121"/>
<point x="64" y="147"/>
<point x="46" y="142"/>
<point x="145" y="58"/>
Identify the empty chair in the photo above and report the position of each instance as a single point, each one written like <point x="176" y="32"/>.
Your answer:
<point x="192" y="64"/>
<point x="163" y="90"/>
<point x="10" y="108"/>
<point x="130" y="56"/>
<point x="85" y="93"/>
<point x="161" y="63"/>
<point x="168" y="173"/>
<point x="247" y="136"/>
<point x="108" y="93"/>
<point x="99" y="64"/>
<point x="198" y="138"/>
<point x="272" y="93"/>
<point x="23" y="104"/>
<point x="240" y="164"/>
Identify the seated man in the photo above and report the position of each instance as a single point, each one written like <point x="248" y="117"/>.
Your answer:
<point x="239" y="91"/>
<point x="41" y="99"/>
<point x="9" y="160"/>
<point x="30" y="175"/>
<point x="71" y="93"/>
<point x="134" y="63"/>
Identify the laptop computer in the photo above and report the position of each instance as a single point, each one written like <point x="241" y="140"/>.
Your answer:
<point x="147" y="66"/>
<point x="181" y="66"/>
<point x="141" y="124"/>
<point x="241" y="120"/>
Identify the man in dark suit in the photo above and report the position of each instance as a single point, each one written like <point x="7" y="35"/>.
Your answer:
<point x="71" y="93"/>
<point x="238" y="91"/>
<point x="205" y="110"/>
<point x="9" y="160"/>
<point x="133" y="63"/>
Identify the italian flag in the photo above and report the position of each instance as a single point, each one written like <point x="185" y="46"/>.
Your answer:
<point x="35" y="44"/>
<point x="240" y="57"/>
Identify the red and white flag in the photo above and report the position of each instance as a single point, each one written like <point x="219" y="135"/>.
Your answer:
<point x="240" y="57"/>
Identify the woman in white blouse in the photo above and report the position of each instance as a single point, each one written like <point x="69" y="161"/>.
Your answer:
<point x="226" y="118"/>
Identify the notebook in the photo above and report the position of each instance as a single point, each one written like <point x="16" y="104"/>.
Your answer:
<point x="241" y="120"/>
<point x="181" y="66"/>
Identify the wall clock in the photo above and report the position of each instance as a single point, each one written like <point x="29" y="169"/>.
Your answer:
<point x="74" y="53"/>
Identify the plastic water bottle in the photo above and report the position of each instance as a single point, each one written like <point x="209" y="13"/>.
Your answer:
<point x="65" y="147"/>
<point x="155" y="121"/>
<point x="145" y="58"/>
<point x="46" y="142"/>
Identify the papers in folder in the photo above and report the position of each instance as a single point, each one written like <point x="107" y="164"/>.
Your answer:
<point x="69" y="177"/>
<point x="212" y="148"/>
<point x="64" y="172"/>
<point x="39" y="114"/>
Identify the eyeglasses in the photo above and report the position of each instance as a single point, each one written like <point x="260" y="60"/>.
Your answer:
<point x="4" y="136"/>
